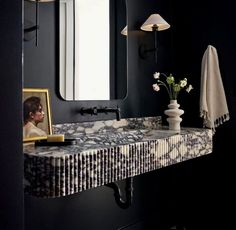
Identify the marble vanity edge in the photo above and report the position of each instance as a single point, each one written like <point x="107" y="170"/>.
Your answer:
<point x="69" y="174"/>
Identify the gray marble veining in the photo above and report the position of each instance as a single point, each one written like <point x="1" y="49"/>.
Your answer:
<point x="105" y="154"/>
<point x="107" y="126"/>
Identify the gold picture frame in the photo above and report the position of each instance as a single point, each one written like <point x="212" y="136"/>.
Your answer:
<point x="37" y="122"/>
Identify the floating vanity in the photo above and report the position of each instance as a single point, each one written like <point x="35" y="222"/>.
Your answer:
<point x="108" y="151"/>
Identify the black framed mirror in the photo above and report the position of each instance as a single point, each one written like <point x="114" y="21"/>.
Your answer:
<point x="93" y="51"/>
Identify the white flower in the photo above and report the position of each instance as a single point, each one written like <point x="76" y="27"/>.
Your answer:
<point x="190" y="87"/>
<point x="183" y="83"/>
<point x="156" y="75"/>
<point x="156" y="87"/>
<point x="170" y="85"/>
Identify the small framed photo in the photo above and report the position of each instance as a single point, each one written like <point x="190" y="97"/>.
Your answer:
<point x="36" y="114"/>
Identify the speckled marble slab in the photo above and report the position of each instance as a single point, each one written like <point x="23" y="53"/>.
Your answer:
<point x="108" y="126"/>
<point x="108" y="154"/>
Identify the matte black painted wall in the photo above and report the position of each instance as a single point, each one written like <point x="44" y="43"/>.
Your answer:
<point x="180" y="193"/>
<point x="96" y="208"/>
<point x="11" y="162"/>
<point x="196" y="25"/>
<point x="199" y="24"/>
<point x="42" y="67"/>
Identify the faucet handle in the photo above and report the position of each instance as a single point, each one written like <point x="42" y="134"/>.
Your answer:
<point x="95" y="111"/>
<point x="81" y="111"/>
<point x="91" y="111"/>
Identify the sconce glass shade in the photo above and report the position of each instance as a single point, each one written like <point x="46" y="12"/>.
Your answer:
<point x="124" y="31"/>
<point x="155" y="20"/>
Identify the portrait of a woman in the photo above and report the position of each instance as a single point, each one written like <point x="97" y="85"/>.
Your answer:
<point x="33" y="115"/>
<point x="36" y="114"/>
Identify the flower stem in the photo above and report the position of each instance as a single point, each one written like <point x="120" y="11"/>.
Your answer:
<point x="168" y="89"/>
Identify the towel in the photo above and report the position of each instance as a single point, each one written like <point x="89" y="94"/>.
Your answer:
<point x="213" y="104"/>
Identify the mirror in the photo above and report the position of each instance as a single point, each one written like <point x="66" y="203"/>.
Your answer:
<point x="93" y="51"/>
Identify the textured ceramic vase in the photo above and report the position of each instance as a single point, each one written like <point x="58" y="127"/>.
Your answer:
<point x="174" y="114"/>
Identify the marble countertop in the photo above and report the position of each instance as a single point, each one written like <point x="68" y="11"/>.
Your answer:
<point x="103" y="157"/>
<point x="106" y="140"/>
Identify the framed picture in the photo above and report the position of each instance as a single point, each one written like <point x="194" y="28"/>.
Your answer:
<point x="36" y="114"/>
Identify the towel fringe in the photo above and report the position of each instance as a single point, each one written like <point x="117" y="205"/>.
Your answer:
<point x="221" y="120"/>
<point x="217" y="122"/>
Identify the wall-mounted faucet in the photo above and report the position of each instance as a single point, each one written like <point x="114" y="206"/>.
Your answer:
<point x="95" y="111"/>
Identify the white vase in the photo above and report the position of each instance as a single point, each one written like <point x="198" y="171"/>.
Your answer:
<point x="174" y="114"/>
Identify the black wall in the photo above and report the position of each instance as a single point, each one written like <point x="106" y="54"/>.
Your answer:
<point x="199" y="24"/>
<point x="42" y="70"/>
<point x="197" y="193"/>
<point x="11" y="162"/>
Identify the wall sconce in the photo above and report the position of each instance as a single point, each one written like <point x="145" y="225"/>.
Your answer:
<point x="36" y="26"/>
<point x="124" y="31"/>
<point x="154" y="23"/>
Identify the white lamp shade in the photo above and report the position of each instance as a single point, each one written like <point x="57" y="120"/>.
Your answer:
<point x="155" y="20"/>
<point x="124" y="31"/>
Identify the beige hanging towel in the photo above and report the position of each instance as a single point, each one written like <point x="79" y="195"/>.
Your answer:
<point x="213" y="104"/>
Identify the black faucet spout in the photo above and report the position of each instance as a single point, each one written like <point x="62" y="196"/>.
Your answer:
<point x="111" y="110"/>
<point x="118" y="114"/>
<point x="95" y="111"/>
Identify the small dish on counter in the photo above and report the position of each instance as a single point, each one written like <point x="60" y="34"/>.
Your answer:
<point x="55" y="143"/>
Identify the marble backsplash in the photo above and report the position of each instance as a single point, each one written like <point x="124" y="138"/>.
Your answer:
<point x="111" y="126"/>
